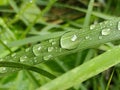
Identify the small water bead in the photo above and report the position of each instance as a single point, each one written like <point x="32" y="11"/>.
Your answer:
<point x="51" y="40"/>
<point x="100" y="37"/>
<point x="50" y="49"/>
<point x="35" y="59"/>
<point x="24" y="58"/>
<point x="53" y="43"/>
<point x="105" y="31"/>
<point x="3" y="70"/>
<point x="69" y="40"/>
<point x="118" y="26"/>
<point x="92" y="27"/>
<point x="47" y="57"/>
<point x="27" y="50"/>
<point x="87" y="37"/>
<point x="37" y="49"/>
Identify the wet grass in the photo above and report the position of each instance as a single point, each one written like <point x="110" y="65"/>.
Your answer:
<point x="59" y="45"/>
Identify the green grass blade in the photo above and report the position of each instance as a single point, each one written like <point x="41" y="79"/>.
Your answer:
<point x="88" y="14"/>
<point x="18" y="66"/>
<point x="85" y="71"/>
<point x="69" y="42"/>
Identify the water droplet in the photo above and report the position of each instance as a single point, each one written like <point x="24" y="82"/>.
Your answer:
<point x="92" y="27"/>
<point x="69" y="40"/>
<point x="37" y="49"/>
<point x="119" y="25"/>
<point x="87" y="37"/>
<point x="3" y="69"/>
<point x="47" y="57"/>
<point x="53" y="43"/>
<point x="27" y="50"/>
<point x="51" y="40"/>
<point x="100" y="37"/>
<point x="35" y="59"/>
<point x="24" y="58"/>
<point x="50" y="49"/>
<point x="74" y="37"/>
<point x="105" y="31"/>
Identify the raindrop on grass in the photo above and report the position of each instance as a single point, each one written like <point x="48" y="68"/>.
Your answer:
<point x="24" y="58"/>
<point x="3" y="70"/>
<point x="87" y="37"/>
<point x="50" y="49"/>
<point x="51" y="40"/>
<point x="92" y="27"/>
<point x="37" y="49"/>
<point x="47" y="57"/>
<point x="100" y="37"/>
<point x="69" y="40"/>
<point x="53" y="43"/>
<point x="105" y="31"/>
<point x="27" y="50"/>
<point x="118" y="25"/>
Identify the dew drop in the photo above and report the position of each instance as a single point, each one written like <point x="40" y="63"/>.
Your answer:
<point x="51" y="40"/>
<point x="118" y="25"/>
<point x="37" y="49"/>
<point x="23" y="58"/>
<point x="47" y="57"/>
<point x="53" y="43"/>
<point x="105" y="31"/>
<point x="35" y="59"/>
<point x="69" y="40"/>
<point x="87" y="37"/>
<point x="27" y="50"/>
<point x="3" y="69"/>
<point x="92" y="27"/>
<point x="50" y="49"/>
<point x="100" y="37"/>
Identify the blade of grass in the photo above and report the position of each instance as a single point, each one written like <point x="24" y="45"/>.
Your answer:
<point x="108" y="84"/>
<point x="85" y="71"/>
<point x="33" y="79"/>
<point x="6" y="46"/>
<point x="39" y="16"/>
<point x="26" y="67"/>
<point x="88" y="14"/>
